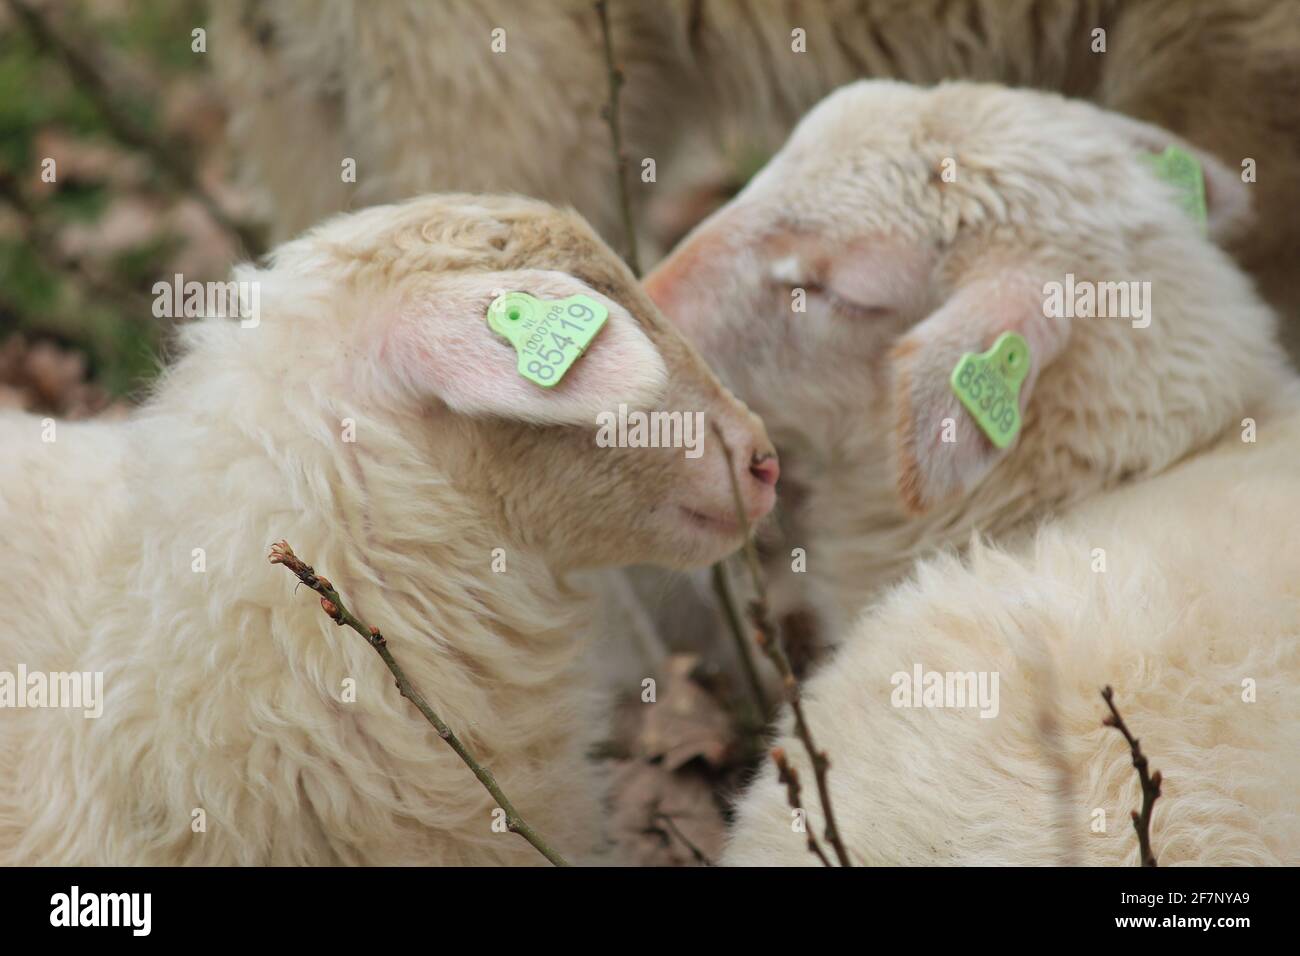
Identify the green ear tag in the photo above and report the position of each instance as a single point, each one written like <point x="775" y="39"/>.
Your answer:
<point x="548" y="335"/>
<point x="988" y="384"/>
<point x="1181" y="170"/>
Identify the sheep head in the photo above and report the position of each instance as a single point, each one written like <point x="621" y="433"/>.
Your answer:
<point x="902" y="228"/>
<point x="388" y="307"/>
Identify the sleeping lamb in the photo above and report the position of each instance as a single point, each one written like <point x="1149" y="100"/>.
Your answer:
<point x="369" y="416"/>
<point x="901" y="228"/>
<point x="1135" y="532"/>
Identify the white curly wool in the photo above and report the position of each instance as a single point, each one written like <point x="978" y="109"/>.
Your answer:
<point x="372" y="419"/>
<point x="1137" y="533"/>
<point x="1195" y="622"/>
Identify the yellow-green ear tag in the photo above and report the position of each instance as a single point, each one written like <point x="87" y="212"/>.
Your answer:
<point x="1181" y="170"/>
<point x="549" y="335"/>
<point x="988" y="384"/>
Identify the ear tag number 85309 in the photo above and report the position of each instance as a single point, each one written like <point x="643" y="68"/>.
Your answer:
<point x="988" y="384"/>
<point x="548" y="335"/>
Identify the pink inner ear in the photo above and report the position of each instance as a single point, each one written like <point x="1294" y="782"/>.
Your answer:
<point x="469" y="369"/>
<point x="441" y="345"/>
<point x="930" y="469"/>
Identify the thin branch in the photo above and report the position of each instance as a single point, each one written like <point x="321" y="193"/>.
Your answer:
<point x="700" y="856"/>
<point x="769" y="641"/>
<point x="787" y="775"/>
<point x="168" y="157"/>
<point x="1150" y="781"/>
<point x="333" y="607"/>
<point x="611" y="115"/>
<point x="722" y="587"/>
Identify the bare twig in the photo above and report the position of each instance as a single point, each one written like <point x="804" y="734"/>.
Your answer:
<point x="167" y="156"/>
<point x="1150" y="781"/>
<point x="768" y="638"/>
<point x="722" y="587"/>
<point x="333" y="607"/>
<point x="611" y="115"/>
<point x="700" y="856"/>
<point x="787" y="775"/>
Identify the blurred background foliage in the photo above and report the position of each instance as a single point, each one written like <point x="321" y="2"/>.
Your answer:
<point x="114" y="93"/>
<point x="79" y="255"/>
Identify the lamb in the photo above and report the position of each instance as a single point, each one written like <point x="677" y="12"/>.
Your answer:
<point x="901" y="272"/>
<point x="500" y="96"/>
<point x="371" y="417"/>
<point x="1134" y="533"/>
<point x="1194" y="616"/>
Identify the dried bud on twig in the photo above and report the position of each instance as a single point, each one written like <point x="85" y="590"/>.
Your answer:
<point x="768" y="638"/>
<point x="1150" y="782"/>
<point x="333" y="606"/>
<point x="787" y="775"/>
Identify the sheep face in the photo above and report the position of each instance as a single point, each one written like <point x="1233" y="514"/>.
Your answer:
<point x="901" y="228"/>
<point x="565" y="469"/>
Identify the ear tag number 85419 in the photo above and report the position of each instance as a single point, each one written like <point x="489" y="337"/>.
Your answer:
<point x="988" y="384"/>
<point x="548" y="335"/>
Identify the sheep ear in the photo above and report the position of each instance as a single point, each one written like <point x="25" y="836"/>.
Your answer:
<point x="1227" y="198"/>
<point x="440" y="344"/>
<point x="940" y="450"/>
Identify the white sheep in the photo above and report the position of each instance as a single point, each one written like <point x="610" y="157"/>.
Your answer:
<point x="1183" y="592"/>
<point x="369" y="416"/>
<point x="901" y="228"/>
<point x="1138" y="524"/>
<point x="503" y="96"/>
<point x="497" y="95"/>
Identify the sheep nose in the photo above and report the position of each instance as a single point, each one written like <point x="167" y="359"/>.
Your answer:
<point x="765" y="467"/>
<point x="744" y="446"/>
<point x="760" y="495"/>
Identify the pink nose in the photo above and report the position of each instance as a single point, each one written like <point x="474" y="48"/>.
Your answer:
<point x="765" y="468"/>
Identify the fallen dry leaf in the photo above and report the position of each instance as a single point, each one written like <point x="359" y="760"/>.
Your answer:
<point x="685" y="722"/>
<point x="642" y="794"/>
<point x="45" y="378"/>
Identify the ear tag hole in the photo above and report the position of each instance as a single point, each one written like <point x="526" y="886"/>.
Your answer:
<point x="549" y="335"/>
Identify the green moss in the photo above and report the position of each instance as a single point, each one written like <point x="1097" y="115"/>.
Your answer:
<point x="36" y="93"/>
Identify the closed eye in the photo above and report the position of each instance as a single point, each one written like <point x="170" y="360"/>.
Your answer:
<point x="846" y="307"/>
